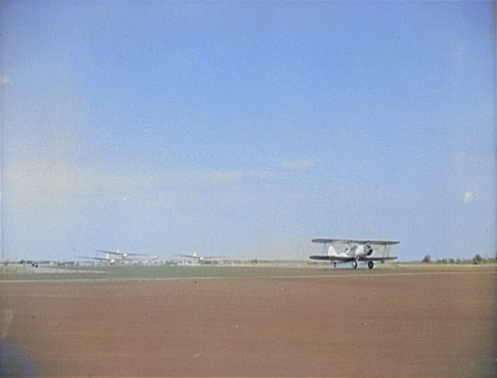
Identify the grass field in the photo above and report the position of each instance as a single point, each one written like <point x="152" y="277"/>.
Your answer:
<point x="265" y="269"/>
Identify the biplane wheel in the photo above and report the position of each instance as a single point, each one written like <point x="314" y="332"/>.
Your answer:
<point x="354" y="265"/>
<point x="370" y="265"/>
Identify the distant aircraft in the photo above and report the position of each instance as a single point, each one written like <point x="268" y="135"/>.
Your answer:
<point x="107" y="259"/>
<point x="200" y="259"/>
<point x="355" y="251"/>
<point x="113" y="257"/>
<point x="122" y="255"/>
<point x="135" y="257"/>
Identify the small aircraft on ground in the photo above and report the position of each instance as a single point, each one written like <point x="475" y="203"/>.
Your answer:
<point x="113" y="257"/>
<point x="201" y="259"/>
<point x="108" y="259"/>
<point x="122" y="255"/>
<point x="355" y="251"/>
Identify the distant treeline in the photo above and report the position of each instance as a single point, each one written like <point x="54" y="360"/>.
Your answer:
<point x="477" y="260"/>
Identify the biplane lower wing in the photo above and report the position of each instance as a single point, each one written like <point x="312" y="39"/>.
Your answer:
<point x="367" y="258"/>
<point x="350" y="259"/>
<point x="332" y="258"/>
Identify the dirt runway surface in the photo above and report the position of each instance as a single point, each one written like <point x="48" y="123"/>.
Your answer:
<point x="348" y="323"/>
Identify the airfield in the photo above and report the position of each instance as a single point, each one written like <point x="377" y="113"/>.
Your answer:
<point x="251" y="321"/>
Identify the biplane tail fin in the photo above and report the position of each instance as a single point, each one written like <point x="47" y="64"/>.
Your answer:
<point x="331" y="251"/>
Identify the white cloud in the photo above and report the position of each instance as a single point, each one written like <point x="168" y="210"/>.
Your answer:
<point x="4" y="80"/>
<point x="58" y="183"/>
<point x="210" y="177"/>
<point x="469" y="196"/>
<point x="299" y="164"/>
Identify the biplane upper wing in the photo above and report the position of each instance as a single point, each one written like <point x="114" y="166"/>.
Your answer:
<point x="325" y="241"/>
<point x="375" y="242"/>
<point x="122" y="254"/>
<point x="379" y="242"/>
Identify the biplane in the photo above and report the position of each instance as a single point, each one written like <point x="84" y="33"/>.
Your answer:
<point x="355" y="251"/>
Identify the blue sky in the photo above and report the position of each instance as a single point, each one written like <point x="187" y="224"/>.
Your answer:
<point x="246" y="129"/>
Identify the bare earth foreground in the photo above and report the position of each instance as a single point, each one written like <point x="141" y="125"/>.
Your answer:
<point x="398" y="322"/>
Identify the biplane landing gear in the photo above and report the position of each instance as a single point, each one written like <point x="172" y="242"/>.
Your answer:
<point x="370" y="265"/>
<point x="354" y="264"/>
<point x="334" y="264"/>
